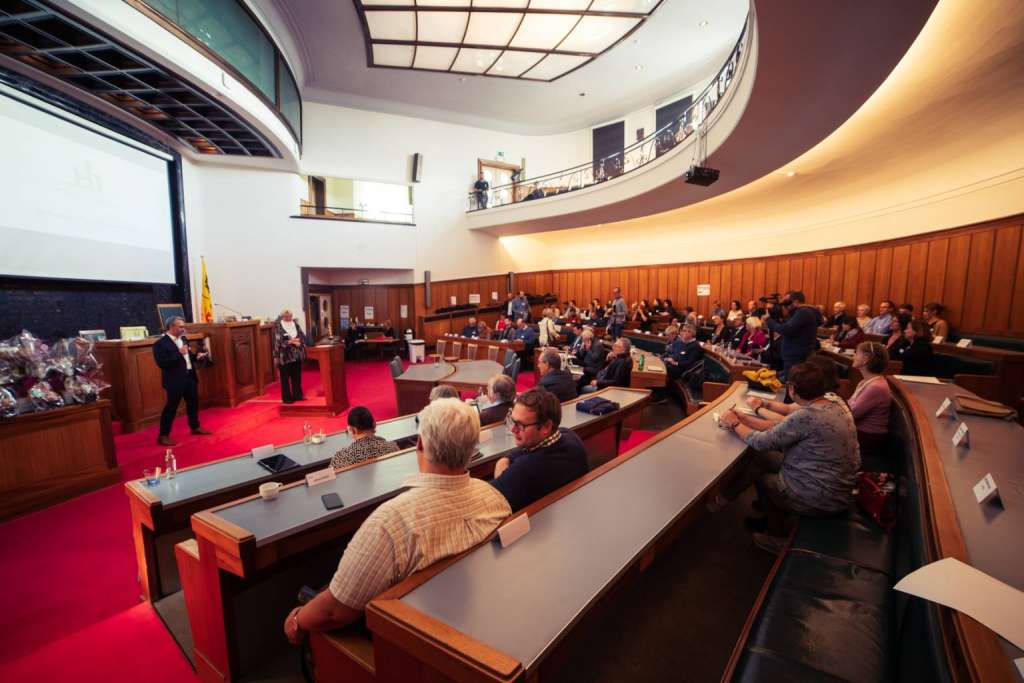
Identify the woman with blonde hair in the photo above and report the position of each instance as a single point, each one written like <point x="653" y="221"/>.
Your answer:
<point x="754" y="338"/>
<point x="289" y="351"/>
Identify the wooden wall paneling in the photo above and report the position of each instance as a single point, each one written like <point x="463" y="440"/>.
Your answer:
<point x="747" y="283"/>
<point x="934" y="278"/>
<point x="979" y="271"/>
<point x="715" y="278"/>
<point x="704" y="302"/>
<point x="883" y="272"/>
<point x="810" y="277"/>
<point x="1004" y="269"/>
<point x="672" y="288"/>
<point x="771" y="277"/>
<point x="663" y="283"/>
<point x="898" y="276"/>
<point x="917" y="271"/>
<point x="796" y="274"/>
<point x="836" y="280"/>
<point x="821" y="265"/>
<point x="956" y="278"/>
<point x="1017" y="305"/>
<point x="851" y="269"/>
<point x="785" y="277"/>
<point x="759" y="278"/>
<point x="866" y="279"/>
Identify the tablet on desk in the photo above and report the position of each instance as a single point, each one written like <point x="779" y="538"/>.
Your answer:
<point x="278" y="462"/>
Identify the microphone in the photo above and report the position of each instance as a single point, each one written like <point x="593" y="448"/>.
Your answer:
<point x="228" y="308"/>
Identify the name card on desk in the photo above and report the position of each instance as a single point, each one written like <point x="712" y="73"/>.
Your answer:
<point x="263" y="451"/>
<point x="947" y="408"/>
<point x="320" y="476"/>
<point x="986" y="490"/>
<point x="514" y="530"/>
<point x="962" y="437"/>
<point x="964" y="343"/>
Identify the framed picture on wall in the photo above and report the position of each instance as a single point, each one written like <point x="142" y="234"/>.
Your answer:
<point x="164" y="312"/>
<point x="93" y="335"/>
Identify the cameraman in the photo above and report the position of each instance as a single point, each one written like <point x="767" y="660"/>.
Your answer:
<point x="799" y="332"/>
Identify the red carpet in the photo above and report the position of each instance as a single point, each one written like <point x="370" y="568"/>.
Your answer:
<point x="69" y="609"/>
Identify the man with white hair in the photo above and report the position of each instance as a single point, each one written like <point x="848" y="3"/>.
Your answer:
<point x="443" y="513"/>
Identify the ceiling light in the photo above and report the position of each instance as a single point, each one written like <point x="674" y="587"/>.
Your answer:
<point x="790" y="174"/>
<point x="703" y="23"/>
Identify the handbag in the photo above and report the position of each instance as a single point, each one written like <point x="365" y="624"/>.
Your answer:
<point x="597" y="405"/>
<point x="876" y="497"/>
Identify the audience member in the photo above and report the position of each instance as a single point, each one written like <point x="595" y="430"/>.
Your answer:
<point x="640" y="315"/>
<point x="687" y="353"/>
<point x="480" y="188"/>
<point x="547" y="329"/>
<point x="735" y="311"/>
<point x="753" y="340"/>
<point x="442" y="391"/>
<point x="906" y="309"/>
<point x="365" y="442"/>
<point x="591" y="356"/>
<point x="519" y="308"/>
<point x="670" y="310"/>
<point x="863" y="315"/>
<point x="938" y="327"/>
<point x="618" y="370"/>
<point x="871" y="401"/>
<point x="896" y="327"/>
<point x="829" y="370"/>
<point x="443" y="513"/>
<point x="881" y="323"/>
<point x="470" y="330"/>
<point x="501" y="393"/>
<point x="617" y="317"/>
<point x="799" y="332"/>
<point x="718" y="330"/>
<point x="916" y="352"/>
<point x="527" y="334"/>
<point x="482" y="331"/>
<point x="546" y="456"/>
<point x="503" y="324"/>
<point x="849" y="334"/>
<point x="838" y="313"/>
<point x="553" y="378"/>
<point x="805" y="465"/>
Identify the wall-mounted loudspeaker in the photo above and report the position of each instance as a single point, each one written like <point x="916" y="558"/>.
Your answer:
<point x="426" y="289"/>
<point x="417" y="167"/>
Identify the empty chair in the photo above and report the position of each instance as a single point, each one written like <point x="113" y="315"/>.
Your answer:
<point x="492" y="353"/>
<point x="512" y="369"/>
<point x="471" y="350"/>
<point x="439" y="349"/>
<point x="396" y="366"/>
<point x="456" y="352"/>
<point x="509" y="355"/>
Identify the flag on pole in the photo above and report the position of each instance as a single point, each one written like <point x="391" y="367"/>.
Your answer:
<point x="207" y="299"/>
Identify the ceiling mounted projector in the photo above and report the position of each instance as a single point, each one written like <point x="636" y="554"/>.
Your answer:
<point x="701" y="175"/>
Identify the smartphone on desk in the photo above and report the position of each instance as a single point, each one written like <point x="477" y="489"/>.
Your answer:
<point x="331" y="501"/>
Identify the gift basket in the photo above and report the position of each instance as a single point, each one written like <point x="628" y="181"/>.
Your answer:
<point x="36" y="377"/>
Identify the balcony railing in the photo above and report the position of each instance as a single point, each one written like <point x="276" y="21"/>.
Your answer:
<point x="362" y="214"/>
<point x="228" y="33"/>
<point x="629" y="159"/>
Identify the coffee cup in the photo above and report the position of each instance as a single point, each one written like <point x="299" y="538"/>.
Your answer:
<point x="318" y="438"/>
<point x="270" y="490"/>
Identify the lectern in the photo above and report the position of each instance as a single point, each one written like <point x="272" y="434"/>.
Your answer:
<point x="331" y="358"/>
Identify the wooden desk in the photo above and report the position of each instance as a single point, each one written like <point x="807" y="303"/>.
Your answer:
<point x="472" y="375"/>
<point x="54" y="455"/>
<point x="646" y="341"/>
<point x="161" y="514"/>
<point x="653" y="375"/>
<point x="246" y="541"/>
<point x="331" y="359"/>
<point x="493" y="614"/>
<point x="241" y="353"/>
<point x="986" y="537"/>
<point x="412" y="387"/>
<point x="1008" y="367"/>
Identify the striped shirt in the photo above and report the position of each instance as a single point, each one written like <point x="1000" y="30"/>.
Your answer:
<point x="439" y="516"/>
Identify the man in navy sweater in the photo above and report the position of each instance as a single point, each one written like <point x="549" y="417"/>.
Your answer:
<point x="546" y="456"/>
<point x="799" y="332"/>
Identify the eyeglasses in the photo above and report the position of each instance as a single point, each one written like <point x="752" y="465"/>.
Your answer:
<point x="516" y="425"/>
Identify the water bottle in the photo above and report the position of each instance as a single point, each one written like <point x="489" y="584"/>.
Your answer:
<point x="640" y="363"/>
<point x="307" y="433"/>
<point x="170" y="464"/>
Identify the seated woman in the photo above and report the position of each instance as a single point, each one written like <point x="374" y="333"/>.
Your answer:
<point x="863" y="315"/>
<point x="642" y="316"/>
<point x="870" y="404"/>
<point x="482" y="331"/>
<point x="849" y="334"/>
<point x="896" y="327"/>
<point x="719" y="332"/>
<point x="804" y="465"/>
<point x="938" y="327"/>
<point x="916" y="352"/>
<point x="735" y="311"/>
<point x="754" y="338"/>
<point x="657" y="308"/>
<point x="500" y="327"/>
<point x="365" y="443"/>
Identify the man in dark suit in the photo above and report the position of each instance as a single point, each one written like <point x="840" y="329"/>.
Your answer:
<point x="683" y="353"/>
<point x="590" y="355"/>
<point x="177" y="366"/>
<point x="471" y="329"/>
<point x="553" y="378"/>
<point x="501" y="392"/>
<point x="619" y="369"/>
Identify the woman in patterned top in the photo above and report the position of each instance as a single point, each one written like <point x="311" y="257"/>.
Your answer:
<point x="805" y="465"/>
<point x="365" y="444"/>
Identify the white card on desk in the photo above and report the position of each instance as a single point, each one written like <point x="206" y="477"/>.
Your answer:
<point x="320" y="476"/>
<point x="985" y="490"/>
<point x="919" y="379"/>
<point x="962" y="437"/>
<point x="946" y="407"/>
<point x="263" y="451"/>
<point x="964" y="343"/>
<point x="512" y="531"/>
<point x="954" y="584"/>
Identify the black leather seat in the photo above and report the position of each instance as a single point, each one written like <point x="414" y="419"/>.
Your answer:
<point x="948" y="365"/>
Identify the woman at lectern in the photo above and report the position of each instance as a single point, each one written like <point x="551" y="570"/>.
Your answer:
<point x="289" y="351"/>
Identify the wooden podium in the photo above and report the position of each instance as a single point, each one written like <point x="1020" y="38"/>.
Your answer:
<point x="332" y="381"/>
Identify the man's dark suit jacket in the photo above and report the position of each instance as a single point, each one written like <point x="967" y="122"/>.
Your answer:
<point x="494" y="413"/>
<point x="617" y="373"/>
<point x="173" y="369"/>
<point x="560" y="383"/>
<point x="592" y="360"/>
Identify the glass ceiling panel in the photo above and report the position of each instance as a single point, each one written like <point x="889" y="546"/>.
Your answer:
<point x="545" y="38"/>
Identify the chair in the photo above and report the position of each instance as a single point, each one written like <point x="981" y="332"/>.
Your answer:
<point x="456" y="352"/>
<point x="396" y="366"/>
<point x="512" y="369"/>
<point x="492" y="353"/>
<point x="471" y="350"/>
<point x="439" y="349"/>
<point x="509" y="355"/>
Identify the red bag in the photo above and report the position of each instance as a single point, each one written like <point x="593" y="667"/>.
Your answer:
<point x="876" y="496"/>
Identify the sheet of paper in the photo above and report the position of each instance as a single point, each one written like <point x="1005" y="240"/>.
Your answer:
<point x="954" y="584"/>
<point x="919" y="380"/>
<point x="263" y="451"/>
